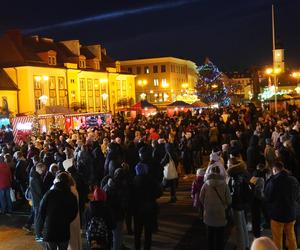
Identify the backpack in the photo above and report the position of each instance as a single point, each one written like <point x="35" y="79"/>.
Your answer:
<point x="241" y="192"/>
<point x="98" y="235"/>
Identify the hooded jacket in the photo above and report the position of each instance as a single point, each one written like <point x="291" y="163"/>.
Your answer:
<point x="58" y="209"/>
<point x="214" y="207"/>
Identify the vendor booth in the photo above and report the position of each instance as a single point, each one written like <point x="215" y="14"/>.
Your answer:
<point x="23" y="125"/>
<point x="178" y="106"/>
<point x="143" y="107"/>
<point x="199" y="105"/>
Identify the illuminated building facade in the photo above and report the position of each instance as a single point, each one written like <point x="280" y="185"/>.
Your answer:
<point x="160" y="80"/>
<point x="63" y="74"/>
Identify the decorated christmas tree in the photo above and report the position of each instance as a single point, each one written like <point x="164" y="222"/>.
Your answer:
<point x="210" y="87"/>
<point x="35" y="126"/>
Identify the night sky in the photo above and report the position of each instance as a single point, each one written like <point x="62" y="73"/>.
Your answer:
<point x="234" y="34"/>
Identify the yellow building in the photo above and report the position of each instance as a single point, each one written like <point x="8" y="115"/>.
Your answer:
<point x="160" y="80"/>
<point x="63" y="74"/>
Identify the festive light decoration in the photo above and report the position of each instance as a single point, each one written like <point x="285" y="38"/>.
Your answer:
<point x="35" y="126"/>
<point x="269" y="92"/>
<point x="211" y="87"/>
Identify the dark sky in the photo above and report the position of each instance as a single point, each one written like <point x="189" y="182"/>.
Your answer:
<point x="234" y="34"/>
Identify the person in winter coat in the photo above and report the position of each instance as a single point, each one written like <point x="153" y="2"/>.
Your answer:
<point x="117" y="199"/>
<point x="215" y="159"/>
<point x="98" y="163"/>
<point x="37" y="191"/>
<point x="215" y="198"/>
<point x="75" y="234"/>
<point x="50" y="176"/>
<point x="254" y="155"/>
<point x="170" y="155"/>
<point x="20" y="174"/>
<point x="57" y="210"/>
<point x="195" y="190"/>
<point x="269" y="154"/>
<point x="5" y="185"/>
<point x="282" y="193"/>
<point x="145" y="193"/>
<point x="240" y="193"/>
<point x="98" y="208"/>
<point x="258" y="184"/>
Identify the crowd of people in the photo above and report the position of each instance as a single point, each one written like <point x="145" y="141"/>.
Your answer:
<point x="99" y="179"/>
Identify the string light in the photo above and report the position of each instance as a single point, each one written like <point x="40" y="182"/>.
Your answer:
<point x="210" y="87"/>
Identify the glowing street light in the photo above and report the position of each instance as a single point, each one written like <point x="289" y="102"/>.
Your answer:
<point x="274" y="72"/>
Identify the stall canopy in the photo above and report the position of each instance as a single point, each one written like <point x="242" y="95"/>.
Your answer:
<point x="144" y="104"/>
<point x="199" y="104"/>
<point x="179" y="104"/>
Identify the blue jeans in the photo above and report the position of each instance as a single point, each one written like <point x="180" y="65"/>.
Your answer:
<point x="5" y="201"/>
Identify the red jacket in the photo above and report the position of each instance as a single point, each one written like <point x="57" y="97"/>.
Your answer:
<point x="5" y="176"/>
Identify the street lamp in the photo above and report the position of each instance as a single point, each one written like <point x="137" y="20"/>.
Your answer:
<point x="274" y="72"/>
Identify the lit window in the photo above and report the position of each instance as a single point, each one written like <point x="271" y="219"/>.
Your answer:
<point x="156" y="83"/>
<point x="81" y="64"/>
<point x="51" y="60"/>
<point x="146" y="70"/>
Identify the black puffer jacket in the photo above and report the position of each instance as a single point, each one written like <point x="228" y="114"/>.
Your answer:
<point x="58" y="209"/>
<point x="282" y="193"/>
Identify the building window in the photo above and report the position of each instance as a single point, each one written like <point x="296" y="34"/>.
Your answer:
<point x="155" y="69"/>
<point x="62" y="92"/>
<point x="90" y="93"/>
<point x="72" y="81"/>
<point x="97" y="65"/>
<point x="163" y="68"/>
<point x="172" y="67"/>
<point x="37" y="92"/>
<point x="82" y="93"/>
<point x="146" y="70"/>
<point x="97" y="93"/>
<point x="129" y="69"/>
<point x="52" y="60"/>
<point x="52" y="91"/>
<point x="138" y="70"/>
<point x="82" y="64"/>
<point x="156" y="82"/>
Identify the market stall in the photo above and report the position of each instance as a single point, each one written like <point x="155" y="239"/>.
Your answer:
<point x="25" y="126"/>
<point x="143" y="107"/>
<point x="178" y="106"/>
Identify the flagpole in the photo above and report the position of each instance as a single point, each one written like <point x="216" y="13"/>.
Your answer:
<point x="274" y="48"/>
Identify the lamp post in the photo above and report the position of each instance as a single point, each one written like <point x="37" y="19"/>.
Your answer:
<point x="274" y="72"/>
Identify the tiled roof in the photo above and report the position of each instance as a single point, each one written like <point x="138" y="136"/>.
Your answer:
<point x="6" y="83"/>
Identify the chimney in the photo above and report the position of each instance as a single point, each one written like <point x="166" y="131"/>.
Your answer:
<point x="95" y="50"/>
<point x="73" y="46"/>
<point x="15" y="36"/>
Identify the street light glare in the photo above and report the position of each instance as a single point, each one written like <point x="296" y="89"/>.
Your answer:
<point x="269" y="71"/>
